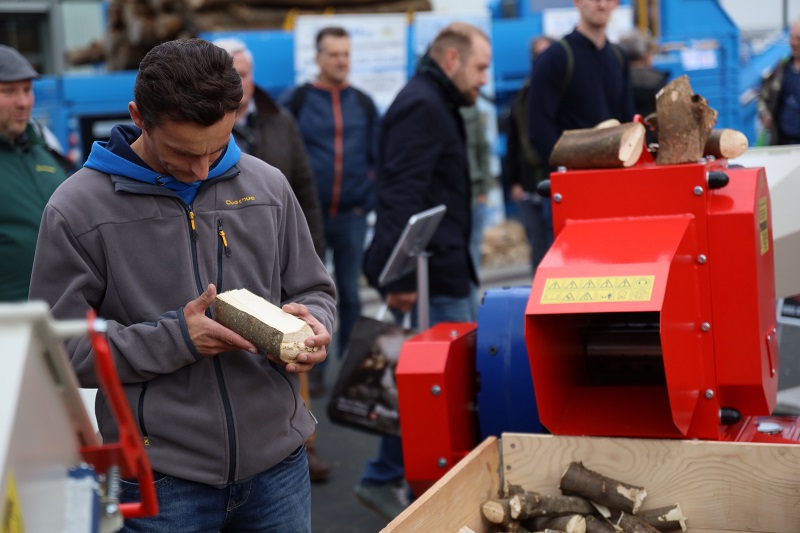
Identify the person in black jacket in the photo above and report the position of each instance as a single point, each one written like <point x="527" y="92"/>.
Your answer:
<point x="524" y="168"/>
<point x="422" y="162"/>
<point x="779" y="98"/>
<point x="580" y="81"/>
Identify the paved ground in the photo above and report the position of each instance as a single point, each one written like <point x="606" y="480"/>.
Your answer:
<point x="335" y="508"/>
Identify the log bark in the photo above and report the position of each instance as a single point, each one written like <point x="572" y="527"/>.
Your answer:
<point x="523" y="506"/>
<point x="726" y="143"/>
<point x="581" y="481"/>
<point x="611" y="147"/>
<point x="629" y="523"/>
<point x="669" y="518"/>
<point x="684" y="123"/>
<point x="598" y="525"/>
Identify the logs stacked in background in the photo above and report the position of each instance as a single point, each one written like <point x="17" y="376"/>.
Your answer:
<point x="135" y="26"/>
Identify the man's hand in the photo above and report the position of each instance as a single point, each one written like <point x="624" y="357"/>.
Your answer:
<point x="402" y="301"/>
<point x="517" y="192"/>
<point x="209" y="337"/>
<point x="321" y="339"/>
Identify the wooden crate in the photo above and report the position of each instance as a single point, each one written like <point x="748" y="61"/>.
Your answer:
<point x="721" y="486"/>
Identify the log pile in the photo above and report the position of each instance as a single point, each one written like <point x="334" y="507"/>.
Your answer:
<point x="505" y="244"/>
<point x="589" y="503"/>
<point x="135" y="26"/>
<point x="683" y="124"/>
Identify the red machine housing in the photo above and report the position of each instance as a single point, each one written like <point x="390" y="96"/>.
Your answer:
<point x="653" y="314"/>
<point x="436" y="375"/>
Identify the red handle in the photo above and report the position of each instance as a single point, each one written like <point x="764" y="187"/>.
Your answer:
<point x="128" y="453"/>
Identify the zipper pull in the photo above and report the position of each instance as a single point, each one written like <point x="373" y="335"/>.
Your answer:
<point x="194" y="227"/>
<point x="224" y="239"/>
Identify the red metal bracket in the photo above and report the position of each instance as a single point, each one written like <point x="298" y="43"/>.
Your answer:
<point x="128" y="453"/>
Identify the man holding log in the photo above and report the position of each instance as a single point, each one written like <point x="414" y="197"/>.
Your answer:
<point x="163" y="216"/>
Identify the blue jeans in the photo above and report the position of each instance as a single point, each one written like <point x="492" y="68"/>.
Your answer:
<point x="388" y="466"/>
<point x="344" y="237"/>
<point x="537" y="217"/>
<point x="275" y="501"/>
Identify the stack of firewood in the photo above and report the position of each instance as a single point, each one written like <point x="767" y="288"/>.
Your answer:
<point x="135" y="26"/>
<point x="505" y="244"/>
<point x="589" y="503"/>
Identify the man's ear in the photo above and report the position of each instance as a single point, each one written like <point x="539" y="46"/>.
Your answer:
<point x="452" y="60"/>
<point x="136" y="116"/>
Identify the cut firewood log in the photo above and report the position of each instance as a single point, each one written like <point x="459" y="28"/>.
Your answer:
<point x="608" y="123"/>
<point x="581" y="481"/>
<point x="726" y="143"/>
<point x="629" y="523"/>
<point x="531" y="505"/>
<point x="684" y="123"/>
<point x="598" y="525"/>
<point x="669" y="518"/>
<point x="611" y="147"/>
<point x="568" y="523"/>
<point x="274" y="331"/>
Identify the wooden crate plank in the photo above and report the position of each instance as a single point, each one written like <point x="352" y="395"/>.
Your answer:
<point x="455" y="500"/>
<point x="721" y="486"/>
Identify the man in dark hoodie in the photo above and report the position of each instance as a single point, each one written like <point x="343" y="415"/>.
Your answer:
<point x="422" y="162"/>
<point x="163" y="216"/>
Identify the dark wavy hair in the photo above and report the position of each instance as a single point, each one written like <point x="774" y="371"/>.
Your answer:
<point x="188" y="80"/>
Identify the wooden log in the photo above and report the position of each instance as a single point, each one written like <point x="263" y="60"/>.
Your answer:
<point x="598" y="525"/>
<point x="526" y="505"/>
<point x="684" y="123"/>
<point x="568" y="523"/>
<point x="581" y="481"/>
<point x="612" y="147"/>
<point x="669" y="518"/>
<point x="727" y="143"/>
<point x="274" y="331"/>
<point x="629" y="523"/>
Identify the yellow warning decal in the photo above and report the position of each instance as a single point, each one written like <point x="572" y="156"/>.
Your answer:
<point x="598" y="290"/>
<point x="12" y="513"/>
<point x="763" y="224"/>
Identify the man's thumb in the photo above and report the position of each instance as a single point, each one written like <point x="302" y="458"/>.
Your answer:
<point x="207" y="298"/>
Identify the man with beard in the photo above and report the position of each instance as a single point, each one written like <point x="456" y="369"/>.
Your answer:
<point x="422" y="162"/>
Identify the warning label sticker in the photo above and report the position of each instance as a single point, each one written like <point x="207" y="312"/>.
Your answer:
<point x="598" y="290"/>
<point x="763" y="224"/>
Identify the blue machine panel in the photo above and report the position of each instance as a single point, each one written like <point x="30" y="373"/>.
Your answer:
<point x="506" y="402"/>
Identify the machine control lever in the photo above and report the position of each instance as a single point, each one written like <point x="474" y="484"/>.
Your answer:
<point x="543" y="188"/>
<point x="717" y="179"/>
<point x="729" y="416"/>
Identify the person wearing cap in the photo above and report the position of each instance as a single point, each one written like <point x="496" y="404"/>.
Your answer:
<point x="28" y="175"/>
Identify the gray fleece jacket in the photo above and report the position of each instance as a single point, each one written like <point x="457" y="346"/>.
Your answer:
<point x="128" y="249"/>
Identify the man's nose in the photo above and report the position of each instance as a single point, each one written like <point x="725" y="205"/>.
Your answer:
<point x="200" y="166"/>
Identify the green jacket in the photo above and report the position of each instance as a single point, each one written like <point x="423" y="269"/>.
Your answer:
<point x="28" y="176"/>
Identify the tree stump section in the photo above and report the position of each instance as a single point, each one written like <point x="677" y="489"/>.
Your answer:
<point x="607" y="147"/>
<point x="685" y="122"/>
<point x="579" y="480"/>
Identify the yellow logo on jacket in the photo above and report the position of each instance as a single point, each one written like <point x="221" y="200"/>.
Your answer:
<point x="46" y="168"/>
<point x="240" y="200"/>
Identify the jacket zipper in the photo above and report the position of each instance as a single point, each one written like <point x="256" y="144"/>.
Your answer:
<point x="145" y="437"/>
<point x="226" y="403"/>
<point x="223" y="248"/>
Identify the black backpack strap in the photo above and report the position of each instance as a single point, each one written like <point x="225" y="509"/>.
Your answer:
<point x="298" y="99"/>
<point x="570" y="68"/>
